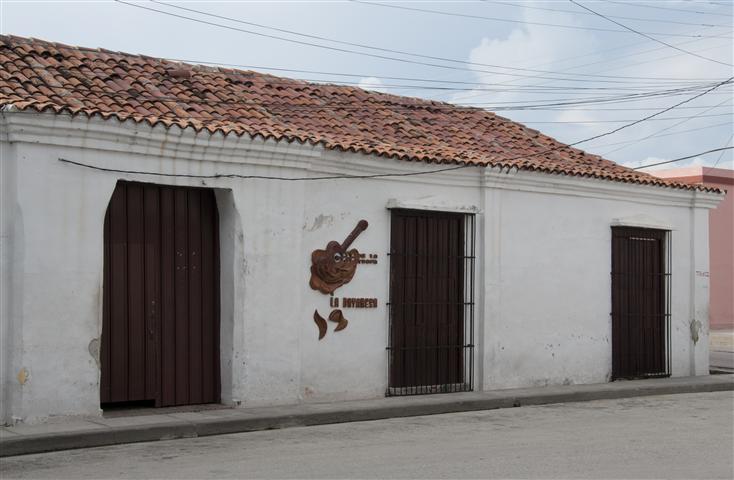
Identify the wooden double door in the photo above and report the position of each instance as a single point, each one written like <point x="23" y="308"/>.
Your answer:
<point x="160" y="332"/>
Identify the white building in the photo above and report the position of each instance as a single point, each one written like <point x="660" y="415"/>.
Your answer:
<point x="497" y="272"/>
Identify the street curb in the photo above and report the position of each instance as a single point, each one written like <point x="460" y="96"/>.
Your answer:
<point x="342" y="413"/>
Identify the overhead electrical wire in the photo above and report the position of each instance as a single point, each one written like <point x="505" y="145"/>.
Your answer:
<point x="337" y="177"/>
<point x="507" y="20"/>
<point x="356" y="52"/>
<point x="444" y="81"/>
<point x="693" y="117"/>
<point x="606" y="61"/>
<point x="477" y="86"/>
<point x="650" y="37"/>
<point x="640" y="80"/>
<point x="722" y="153"/>
<point x="604" y="51"/>
<point x="547" y="83"/>
<point x="678" y="132"/>
<point x="583" y="122"/>
<point x="350" y="106"/>
<point x="520" y="87"/>
<point x="640" y="83"/>
<point x="457" y="167"/>
<point x="354" y="44"/>
<point x="657" y="7"/>
<point x="636" y="19"/>
<point x="687" y="157"/>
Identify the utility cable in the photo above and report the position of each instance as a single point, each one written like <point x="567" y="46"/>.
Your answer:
<point x="698" y="115"/>
<point x="337" y="49"/>
<point x="688" y="157"/>
<point x="352" y="44"/>
<point x="650" y="37"/>
<point x="657" y="7"/>
<point x="406" y="174"/>
<point x="636" y="19"/>
<point x="613" y="78"/>
<point x="398" y="105"/>
<point x="722" y="153"/>
<point x="506" y="20"/>
<point x="656" y="135"/>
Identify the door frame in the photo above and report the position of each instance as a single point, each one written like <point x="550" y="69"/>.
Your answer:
<point x="619" y="317"/>
<point x="467" y="235"/>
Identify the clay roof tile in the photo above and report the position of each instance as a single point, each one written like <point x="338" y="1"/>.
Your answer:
<point x="43" y="75"/>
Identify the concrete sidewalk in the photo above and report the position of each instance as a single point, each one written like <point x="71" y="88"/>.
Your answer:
<point x="72" y="433"/>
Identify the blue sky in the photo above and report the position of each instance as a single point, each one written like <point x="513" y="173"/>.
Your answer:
<point x="540" y="52"/>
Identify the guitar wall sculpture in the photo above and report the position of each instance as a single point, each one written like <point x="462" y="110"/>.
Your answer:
<point x="331" y="268"/>
<point x="335" y="265"/>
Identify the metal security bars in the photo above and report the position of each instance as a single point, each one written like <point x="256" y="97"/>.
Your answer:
<point x="641" y="284"/>
<point x="431" y="332"/>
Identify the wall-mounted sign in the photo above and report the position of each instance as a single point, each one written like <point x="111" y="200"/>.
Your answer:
<point x="368" y="258"/>
<point x="333" y="267"/>
<point x="347" y="302"/>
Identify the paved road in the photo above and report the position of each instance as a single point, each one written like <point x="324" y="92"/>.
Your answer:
<point x="675" y="436"/>
<point x="722" y="359"/>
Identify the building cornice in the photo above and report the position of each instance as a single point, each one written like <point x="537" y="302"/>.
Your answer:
<point x="239" y="151"/>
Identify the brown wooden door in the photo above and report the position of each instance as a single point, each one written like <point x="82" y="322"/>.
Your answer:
<point x="426" y="301"/>
<point x="639" y="316"/>
<point x="160" y="332"/>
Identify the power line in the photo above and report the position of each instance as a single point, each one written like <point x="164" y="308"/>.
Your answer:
<point x="249" y="77"/>
<point x="722" y="153"/>
<point x="606" y="61"/>
<point x="637" y="19"/>
<point x="678" y="132"/>
<point x="464" y="165"/>
<point x="622" y="79"/>
<point x="395" y="105"/>
<point x="498" y="88"/>
<point x="698" y="115"/>
<point x="688" y="157"/>
<point x="353" y="44"/>
<point x="506" y="20"/>
<point x="582" y="122"/>
<point x="622" y="47"/>
<point x="627" y="109"/>
<point x="639" y="4"/>
<point x="650" y="37"/>
<point x="657" y="113"/>
<point x="386" y="77"/>
<point x="316" y="45"/>
<point x="267" y="177"/>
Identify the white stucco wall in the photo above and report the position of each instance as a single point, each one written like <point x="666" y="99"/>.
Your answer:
<point x="542" y="279"/>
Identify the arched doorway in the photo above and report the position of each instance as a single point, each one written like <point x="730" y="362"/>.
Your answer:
<point x="160" y="331"/>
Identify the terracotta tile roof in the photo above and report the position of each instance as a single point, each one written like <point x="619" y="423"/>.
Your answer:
<point x="46" y="76"/>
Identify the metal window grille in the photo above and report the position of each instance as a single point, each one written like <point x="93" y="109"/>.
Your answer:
<point x="431" y="325"/>
<point x="641" y="314"/>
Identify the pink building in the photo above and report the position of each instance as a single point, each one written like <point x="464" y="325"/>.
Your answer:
<point x="721" y="240"/>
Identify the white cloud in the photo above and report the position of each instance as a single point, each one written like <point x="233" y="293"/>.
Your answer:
<point x="538" y="47"/>
<point x="529" y="46"/>
<point x="693" y="162"/>
<point x="372" y="83"/>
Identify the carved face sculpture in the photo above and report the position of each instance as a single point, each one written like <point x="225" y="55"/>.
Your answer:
<point x="329" y="273"/>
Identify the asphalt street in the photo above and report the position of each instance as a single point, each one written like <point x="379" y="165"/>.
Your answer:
<point x="673" y="436"/>
<point x="722" y="359"/>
